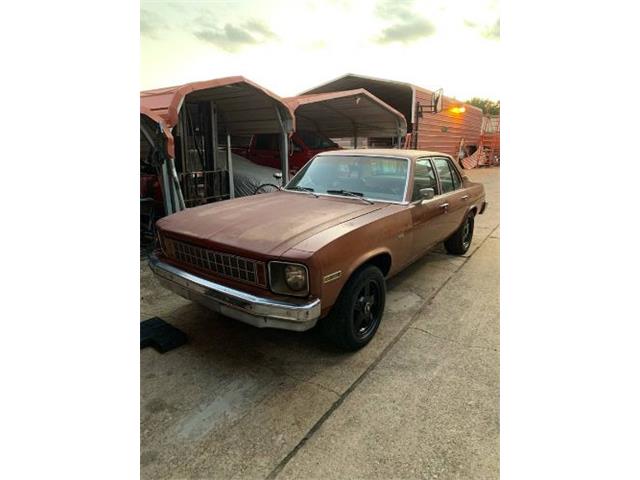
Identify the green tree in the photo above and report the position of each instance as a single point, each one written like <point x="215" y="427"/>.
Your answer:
<point x="488" y="106"/>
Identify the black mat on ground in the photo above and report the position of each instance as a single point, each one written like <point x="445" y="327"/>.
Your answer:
<point x="160" y="335"/>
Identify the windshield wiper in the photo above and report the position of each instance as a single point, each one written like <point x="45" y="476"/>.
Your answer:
<point x="303" y="189"/>
<point x="350" y="194"/>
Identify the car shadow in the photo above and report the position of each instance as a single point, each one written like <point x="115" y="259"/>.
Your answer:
<point x="209" y="330"/>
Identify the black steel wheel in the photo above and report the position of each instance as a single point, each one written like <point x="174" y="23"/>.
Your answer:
<point x="460" y="241"/>
<point x="357" y="313"/>
<point x="366" y="309"/>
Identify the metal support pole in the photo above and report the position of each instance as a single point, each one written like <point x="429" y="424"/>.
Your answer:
<point x="214" y="134"/>
<point x="183" y="133"/>
<point x="177" y="189"/>
<point x="284" y="151"/>
<point x="285" y="155"/>
<point x="174" y="194"/>
<point x="147" y="135"/>
<point x="230" y="168"/>
<point x="416" y="127"/>
<point x="355" y="137"/>
<point x="166" y="190"/>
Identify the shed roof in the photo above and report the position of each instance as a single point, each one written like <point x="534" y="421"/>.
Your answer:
<point x="149" y="117"/>
<point x="345" y="113"/>
<point x="244" y="106"/>
<point x="152" y="115"/>
<point x="400" y="95"/>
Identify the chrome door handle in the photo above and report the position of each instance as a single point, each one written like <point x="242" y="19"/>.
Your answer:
<point x="445" y="206"/>
<point x="466" y="197"/>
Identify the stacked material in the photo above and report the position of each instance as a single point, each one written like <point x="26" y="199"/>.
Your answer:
<point x="476" y="159"/>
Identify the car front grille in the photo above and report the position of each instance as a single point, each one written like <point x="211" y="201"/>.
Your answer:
<point x="223" y="264"/>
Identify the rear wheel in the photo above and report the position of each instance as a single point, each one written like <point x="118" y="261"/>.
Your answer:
<point x="460" y="241"/>
<point x="355" y="317"/>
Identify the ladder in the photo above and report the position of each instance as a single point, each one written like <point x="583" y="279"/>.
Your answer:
<point x="490" y="141"/>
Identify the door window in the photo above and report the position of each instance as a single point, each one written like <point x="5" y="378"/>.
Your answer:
<point x="449" y="179"/>
<point x="457" y="181"/>
<point x="423" y="177"/>
<point x="315" y="141"/>
<point x="267" y="141"/>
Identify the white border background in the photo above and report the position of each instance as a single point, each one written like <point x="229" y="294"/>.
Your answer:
<point x="569" y="230"/>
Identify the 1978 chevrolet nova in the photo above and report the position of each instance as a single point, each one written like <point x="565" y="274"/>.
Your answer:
<point x="319" y="250"/>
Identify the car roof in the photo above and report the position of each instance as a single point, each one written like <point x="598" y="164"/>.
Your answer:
<point x="386" y="152"/>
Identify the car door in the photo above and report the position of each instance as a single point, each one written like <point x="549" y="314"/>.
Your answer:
<point x="299" y="155"/>
<point x="428" y="216"/>
<point x="267" y="150"/>
<point x="453" y="199"/>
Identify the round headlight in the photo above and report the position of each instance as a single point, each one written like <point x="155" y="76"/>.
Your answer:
<point x="296" y="277"/>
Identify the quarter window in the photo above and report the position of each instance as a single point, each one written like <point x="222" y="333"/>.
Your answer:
<point x="449" y="179"/>
<point x="423" y="177"/>
<point x="457" y="181"/>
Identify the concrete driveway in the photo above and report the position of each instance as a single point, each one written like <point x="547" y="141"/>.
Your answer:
<point x="420" y="401"/>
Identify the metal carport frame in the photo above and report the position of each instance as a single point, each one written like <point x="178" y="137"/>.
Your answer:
<point x="352" y="113"/>
<point x="241" y="106"/>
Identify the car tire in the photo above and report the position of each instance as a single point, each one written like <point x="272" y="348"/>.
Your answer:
<point x="356" y="315"/>
<point x="460" y="241"/>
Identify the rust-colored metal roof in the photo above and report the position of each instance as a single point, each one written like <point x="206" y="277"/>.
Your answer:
<point x="157" y="119"/>
<point x="154" y="118"/>
<point x="244" y="106"/>
<point x="343" y="113"/>
<point x="152" y="115"/>
<point x="401" y="95"/>
<point x="442" y="132"/>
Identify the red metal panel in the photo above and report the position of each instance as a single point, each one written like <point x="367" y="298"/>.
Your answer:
<point x="166" y="102"/>
<point x="336" y="114"/>
<point x="491" y="133"/>
<point x="439" y="132"/>
<point x="442" y="132"/>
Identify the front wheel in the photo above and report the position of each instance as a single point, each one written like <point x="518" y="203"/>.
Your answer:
<point x="355" y="317"/>
<point x="460" y="241"/>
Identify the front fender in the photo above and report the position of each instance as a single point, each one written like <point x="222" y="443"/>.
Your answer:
<point x="365" y="257"/>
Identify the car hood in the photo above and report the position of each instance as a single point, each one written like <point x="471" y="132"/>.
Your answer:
<point x="267" y="224"/>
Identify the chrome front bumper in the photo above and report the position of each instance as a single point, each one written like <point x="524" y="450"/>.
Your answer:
<point x="257" y="311"/>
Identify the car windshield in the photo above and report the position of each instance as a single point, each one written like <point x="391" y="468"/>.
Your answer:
<point x="315" y="141"/>
<point x="371" y="177"/>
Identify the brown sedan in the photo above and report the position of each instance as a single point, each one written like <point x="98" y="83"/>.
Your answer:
<point x="319" y="250"/>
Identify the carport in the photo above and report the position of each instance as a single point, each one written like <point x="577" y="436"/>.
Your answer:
<point x="353" y="113"/>
<point x="434" y="122"/>
<point x="192" y="119"/>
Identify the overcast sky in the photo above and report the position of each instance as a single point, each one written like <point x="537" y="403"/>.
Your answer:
<point x="289" y="46"/>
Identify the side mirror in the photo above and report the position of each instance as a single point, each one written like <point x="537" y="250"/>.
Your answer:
<point x="465" y="178"/>
<point x="277" y="175"/>
<point x="427" y="193"/>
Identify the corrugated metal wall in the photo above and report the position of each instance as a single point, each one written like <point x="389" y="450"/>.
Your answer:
<point x="491" y="132"/>
<point x="442" y="131"/>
